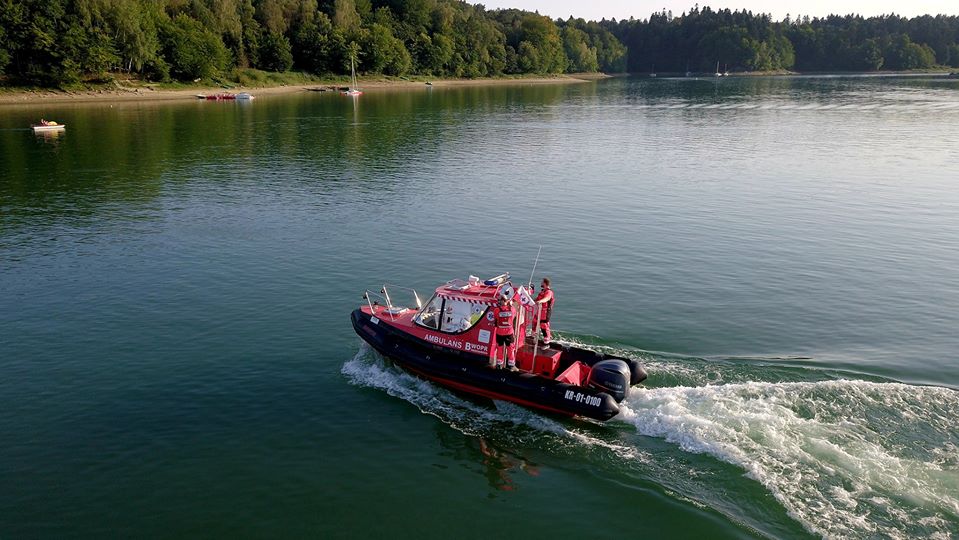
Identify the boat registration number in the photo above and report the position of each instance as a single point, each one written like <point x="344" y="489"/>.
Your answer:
<point x="580" y="397"/>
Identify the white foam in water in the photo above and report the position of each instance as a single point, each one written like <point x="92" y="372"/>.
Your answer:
<point x="847" y="459"/>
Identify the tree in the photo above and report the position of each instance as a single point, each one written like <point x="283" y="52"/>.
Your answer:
<point x="542" y="35"/>
<point x="193" y="51"/>
<point x="902" y="54"/>
<point x="5" y="45"/>
<point x="952" y="55"/>
<point x="528" y="58"/>
<point x="431" y="56"/>
<point x="581" y="56"/>
<point x="731" y="46"/>
<point x="869" y="56"/>
<point x="319" y="47"/>
<point x="134" y="26"/>
<point x="385" y="53"/>
<point x="248" y="53"/>
<point x="275" y="52"/>
<point x="345" y="16"/>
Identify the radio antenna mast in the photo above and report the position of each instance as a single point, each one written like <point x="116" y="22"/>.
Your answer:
<point x="530" y="284"/>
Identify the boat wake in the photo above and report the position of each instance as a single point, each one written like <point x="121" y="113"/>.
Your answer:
<point x="845" y="458"/>
<point x="369" y="369"/>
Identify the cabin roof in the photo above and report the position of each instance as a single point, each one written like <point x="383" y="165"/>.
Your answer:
<point x="476" y="294"/>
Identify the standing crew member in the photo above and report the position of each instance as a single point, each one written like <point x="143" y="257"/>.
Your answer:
<point x="503" y="316"/>
<point x="545" y="298"/>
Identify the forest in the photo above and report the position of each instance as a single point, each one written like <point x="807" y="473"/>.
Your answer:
<point x="58" y="43"/>
<point x="701" y="38"/>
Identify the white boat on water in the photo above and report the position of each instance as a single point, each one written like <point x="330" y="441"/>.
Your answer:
<point x="352" y="90"/>
<point x="47" y="125"/>
<point x="245" y="95"/>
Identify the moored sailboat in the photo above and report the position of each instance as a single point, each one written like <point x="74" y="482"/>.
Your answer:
<point x="352" y="90"/>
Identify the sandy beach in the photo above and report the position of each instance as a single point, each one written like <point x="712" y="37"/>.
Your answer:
<point x="146" y="93"/>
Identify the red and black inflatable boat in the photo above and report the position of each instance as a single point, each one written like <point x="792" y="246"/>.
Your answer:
<point x="450" y="341"/>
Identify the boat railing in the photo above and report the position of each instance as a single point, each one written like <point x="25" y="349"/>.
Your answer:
<point x="390" y="310"/>
<point x="416" y="297"/>
<point x="384" y="295"/>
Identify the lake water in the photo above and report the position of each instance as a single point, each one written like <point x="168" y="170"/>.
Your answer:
<point x="176" y="356"/>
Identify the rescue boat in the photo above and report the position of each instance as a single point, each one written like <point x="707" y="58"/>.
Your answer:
<point x="450" y="340"/>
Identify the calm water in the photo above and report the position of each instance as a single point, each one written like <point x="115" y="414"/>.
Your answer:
<point x="176" y="357"/>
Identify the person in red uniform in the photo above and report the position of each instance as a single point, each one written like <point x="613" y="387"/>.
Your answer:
<point x="545" y="300"/>
<point x="503" y="317"/>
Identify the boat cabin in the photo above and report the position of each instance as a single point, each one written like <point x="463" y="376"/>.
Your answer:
<point x="459" y="316"/>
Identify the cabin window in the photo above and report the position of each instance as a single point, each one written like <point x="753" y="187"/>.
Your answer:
<point x="460" y="316"/>
<point x="429" y="316"/>
<point x="450" y="315"/>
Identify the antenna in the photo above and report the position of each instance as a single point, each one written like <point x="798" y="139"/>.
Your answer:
<point x="535" y="261"/>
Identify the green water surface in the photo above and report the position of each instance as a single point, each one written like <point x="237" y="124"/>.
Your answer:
<point x="176" y="357"/>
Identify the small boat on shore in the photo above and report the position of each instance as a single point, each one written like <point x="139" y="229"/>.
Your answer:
<point x="226" y="96"/>
<point x="451" y="341"/>
<point x="47" y="125"/>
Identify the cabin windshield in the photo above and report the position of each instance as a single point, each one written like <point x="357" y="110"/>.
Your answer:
<point x="450" y="315"/>
<point x="429" y="316"/>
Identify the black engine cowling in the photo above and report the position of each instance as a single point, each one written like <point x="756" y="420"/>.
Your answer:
<point x="610" y="376"/>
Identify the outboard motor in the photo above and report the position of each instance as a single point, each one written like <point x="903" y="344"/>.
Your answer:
<point x="610" y="376"/>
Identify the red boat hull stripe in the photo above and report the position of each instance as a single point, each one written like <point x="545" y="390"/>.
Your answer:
<point x="488" y="393"/>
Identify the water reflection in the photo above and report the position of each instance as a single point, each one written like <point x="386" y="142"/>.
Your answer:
<point x="501" y="465"/>
<point x="49" y="136"/>
<point x="801" y="89"/>
<point x="134" y="152"/>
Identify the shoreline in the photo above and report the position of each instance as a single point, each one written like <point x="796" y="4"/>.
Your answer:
<point x="145" y="93"/>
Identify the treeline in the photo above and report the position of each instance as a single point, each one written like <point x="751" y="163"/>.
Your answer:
<point x="701" y="38"/>
<point x="61" y="42"/>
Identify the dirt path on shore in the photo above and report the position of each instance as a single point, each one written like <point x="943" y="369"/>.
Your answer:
<point x="34" y="97"/>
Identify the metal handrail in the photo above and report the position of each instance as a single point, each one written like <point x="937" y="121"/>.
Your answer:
<point x="366" y="296"/>
<point x="416" y="297"/>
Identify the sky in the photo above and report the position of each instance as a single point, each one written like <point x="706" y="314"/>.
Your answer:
<point x="641" y="9"/>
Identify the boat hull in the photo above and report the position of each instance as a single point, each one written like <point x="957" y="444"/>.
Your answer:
<point x="470" y="373"/>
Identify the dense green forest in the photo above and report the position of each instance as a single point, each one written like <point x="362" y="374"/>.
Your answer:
<point x="57" y="42"/>
<point x="697" y="40"/>
<point x="63" y="42"/>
